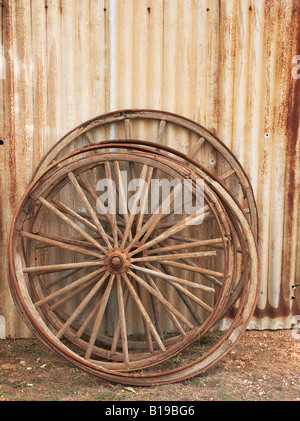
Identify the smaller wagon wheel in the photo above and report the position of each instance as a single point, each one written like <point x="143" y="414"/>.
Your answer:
<point x="117" y="257"/>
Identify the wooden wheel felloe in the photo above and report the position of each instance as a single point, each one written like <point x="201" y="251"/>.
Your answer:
<point x="125" y="290"/>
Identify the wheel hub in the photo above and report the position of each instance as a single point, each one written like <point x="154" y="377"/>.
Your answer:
<point x="116" y="261"/>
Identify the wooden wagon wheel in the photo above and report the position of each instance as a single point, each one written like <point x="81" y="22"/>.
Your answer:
<point x="112" y="260"/>
<point x="163" y="127"/>
<point x="32" y="316"/>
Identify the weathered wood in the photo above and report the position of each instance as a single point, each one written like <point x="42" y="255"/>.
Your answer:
<point x="81" y="306"/>
<point x="196" y="148"/>
<point x="59" y="244"/>
<point x="68" y="288"/>
<point x="193" y="268"/>
<point x="171" y="231"/>
<point x="173" y="256"/>
<point x="99" y="316"/>
<point x="157" y="272"/>
<point x="144" y="312"/>
<point x="61" y="267"/>
<point x="185" y="245"/>
<point x="153" y="289"/>
<point x="89" y="209"/>
<point x="134" y="208"/>
<point x="68" y="221"/>
<point x="173" y="278"/>
<point x="122" y="319"/>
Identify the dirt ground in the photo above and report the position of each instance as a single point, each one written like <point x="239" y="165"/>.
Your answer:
<point x="263" y="366"/>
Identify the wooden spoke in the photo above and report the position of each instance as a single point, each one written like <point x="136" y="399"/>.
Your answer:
<point x="127" y="124"/>
<point x="73" y="294"/>
<point x="208" y="216"/>
<point x="112" y="200"/>
<point x="184" y="298"/>
<point x="59" y="279"/>
<point x="74" y="241"/>
<point x="81" y="306"/>
<point x="122" y="319"/>
<point x="154" y="220"/>
<point x="171" y="314"/>
<point x="173" y="278"/>
<point x="174" y="256"/>
<point x="143" y="312"/>
<point x="157" y="272"/>
<point x="99" y="316"/>
<point x="83" y="218"/>
<point x="100" y="217"/>
<point x="59" y="244"/>
<point x="117" y="331"/>
<point x="68" y="287"/>
<point x="144" y="200"/>
<point x="122" y="195"/>
<point x="89" y="137"/>
<point x="134" y="207"/>
<point x="88" y="319"/>
<point x="154" y="302"/>
<point x="196" y="148"/>
<point x="127" y="128"/>
<point x="185" y="245"/>
<point x="61" y="267"/>
<point x="89" y="209"/>
<point x="67" y="220"/>
<point x="209" y="277"/>
<point x="161" y="130"/>
<point x="146" y="327"/>
<point x="153" y="289"/>
<point x="86" y="185"/>
<point x="193" y="268"/>
<point x="226" y="174"/>
<point x="171" y="231"/>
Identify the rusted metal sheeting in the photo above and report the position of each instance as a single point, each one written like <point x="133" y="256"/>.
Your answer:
<point x="227" y="65"/>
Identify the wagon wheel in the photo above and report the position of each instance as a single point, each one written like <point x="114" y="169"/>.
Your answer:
<point x="23" y="300"/>
<point x="165" y="128"/>
<point x="114" y="249"/>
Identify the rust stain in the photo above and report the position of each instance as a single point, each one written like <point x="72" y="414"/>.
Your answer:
<point x="282" y="310"/>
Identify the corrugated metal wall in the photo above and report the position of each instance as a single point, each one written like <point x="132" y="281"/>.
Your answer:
<point x="227" y="64"/>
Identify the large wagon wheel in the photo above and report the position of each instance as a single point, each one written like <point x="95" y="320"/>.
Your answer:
<point x="164" y="128"/>
<point x="113" y="255"/>
<point x="55" y="182"/>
